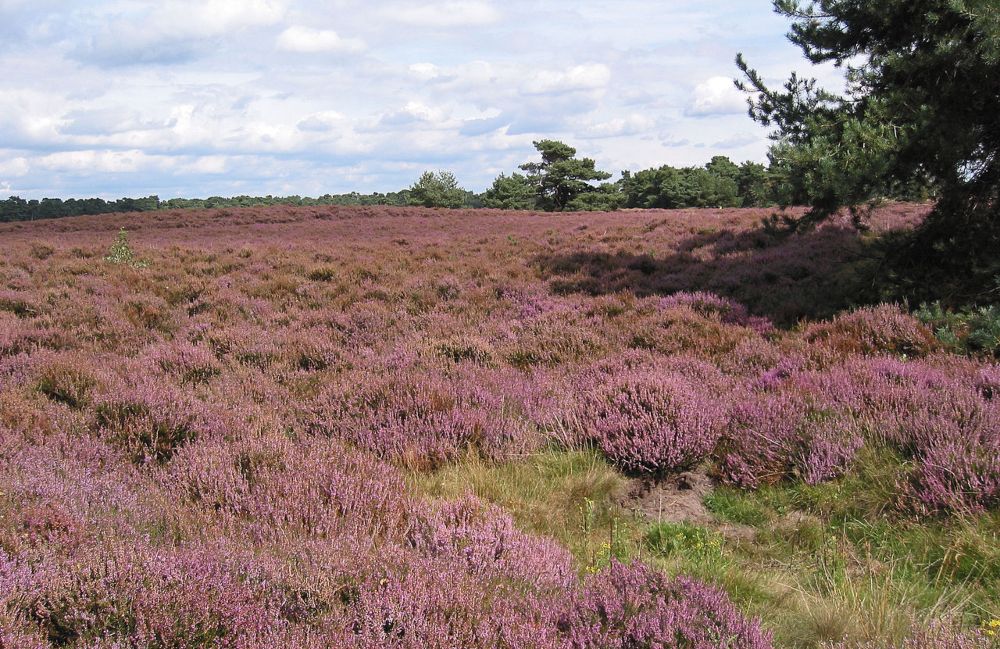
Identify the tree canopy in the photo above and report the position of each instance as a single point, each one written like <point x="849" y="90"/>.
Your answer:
<point x="921" y="109"/>
<point x="437" y="189"/>
<point x="561" y="177"/>
<point x="513" y="192"/>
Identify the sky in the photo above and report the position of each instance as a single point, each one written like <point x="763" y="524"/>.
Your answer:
<point x="194" y="98"/>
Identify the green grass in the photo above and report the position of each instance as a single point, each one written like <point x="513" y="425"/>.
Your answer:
<point x="819" y="564"/>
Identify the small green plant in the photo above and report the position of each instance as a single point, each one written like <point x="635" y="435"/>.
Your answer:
<point x="969" y="330"/>
<point x="589" y="515"/>
<point x="121" y="253"/>
<point x="683" y="539"/>
<point x="615" y="547"/>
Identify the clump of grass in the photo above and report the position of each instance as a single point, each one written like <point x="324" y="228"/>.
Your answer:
<point x="691" y="541"/>
<point x="569" y="496"/>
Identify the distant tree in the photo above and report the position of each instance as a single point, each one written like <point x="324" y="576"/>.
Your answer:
<point x="437" y="189"/>
<point x="560" y="176"/>
<point x="701" y="187"/>
<point x="723" y="167"/>
<point x="606" y="197"/>
<point x="514" y="192"/>
<point x="752" y="181"/>
<point x="650" y="188"/>
<point x="714" y="185"/>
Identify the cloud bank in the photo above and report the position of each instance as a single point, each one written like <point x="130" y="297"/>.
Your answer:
<point x="201" y="97"/>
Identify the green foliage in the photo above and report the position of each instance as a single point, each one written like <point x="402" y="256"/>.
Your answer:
<point x="607" y="197"/>
<point x="690" y="541"/>
<point x="18" y="209"/>
<point x="560" y="177"/>
<point x="514" y="192"/>
<point x="720" y="183"/>
<point x="736" y="506"/>
<point x="753" y="183"/>
<point x="970" y="330"/>
<point x="437" y="189"/>
<point x="919" y="116"/>
<point x="121" y="252"/>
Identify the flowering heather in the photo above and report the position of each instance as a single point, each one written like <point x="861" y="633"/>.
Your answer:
<point x="227" y="446"/>
<point x="653" y="422"/>
<point x="727" y="310"/>
<point x="632" y="606"/>
<point x="771" y="437"/>
<point x="883" y="329"/>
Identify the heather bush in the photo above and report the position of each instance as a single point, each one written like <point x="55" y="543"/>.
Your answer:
<point x="485" y="540"/>
<point x="318" y="487"/>
<point x="150" y="420"/>
<point x="652" y="422"/>
<point x="633" y="606"/>
<point x="954" y="439"/>
<point x="143" y="597"/>
<point x="65" y="378"/>
<point x="712" y="305"/>
<point x="680" y="330"/>
<point x="17" y="303"/>
<point x="988" y="382"/>
<point x="421" y="419"/>
<point x="431" y="604"/>
<point x="188" y="362"/>
<point x="776" y="436"/>
<point x="883" y="329"/>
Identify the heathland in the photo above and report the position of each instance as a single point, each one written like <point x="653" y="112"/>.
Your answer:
<point x="406" y="427"/>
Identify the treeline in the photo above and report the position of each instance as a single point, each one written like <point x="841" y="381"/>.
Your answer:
<point x="560" y="182"/>
<point x="19" y="209"/>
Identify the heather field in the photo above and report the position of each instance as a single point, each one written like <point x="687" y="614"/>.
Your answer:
<point x="374" y="427"/>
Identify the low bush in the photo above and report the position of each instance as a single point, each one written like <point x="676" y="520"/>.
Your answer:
<point x="650" y="422"/>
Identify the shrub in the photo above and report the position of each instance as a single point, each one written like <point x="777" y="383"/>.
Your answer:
<point x="121" y="253"/>
<point x="150" y="420"/>
<point x="651" y="422"/>
<point x="633" y="606"/>
<point x="969" y="331"/>
<point x="883" y="329"/>
<point x="773" y="437"/>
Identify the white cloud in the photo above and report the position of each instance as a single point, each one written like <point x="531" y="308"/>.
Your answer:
<point x="618" y="127"/>
<point x="96" y="161"/>
<point x="717" y="96"/>
<point x="414" y="112"/>
<point x="425" y="71"/>
<point x="215" y="17"/>
<point x="308" y="40"/>
<point x="213" y="164"/>
<point x="321" y="122"/>
<point x="737" y="140"/>
<point x="209" y="96"/>
<point x="444" y="14"/>
<point x="171" y="31"/>
<point x="589" y="76"/>
<point x="14" y="167"/>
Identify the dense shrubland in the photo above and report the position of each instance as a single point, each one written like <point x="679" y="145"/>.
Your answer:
<point x="361" y="427"/>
